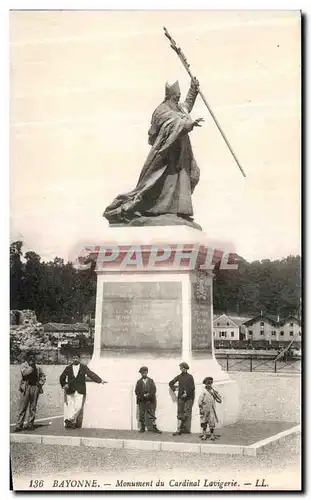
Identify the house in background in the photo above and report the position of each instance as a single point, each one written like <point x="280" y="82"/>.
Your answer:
<point x="265" y="327"/>
<point x="262" y="327"/>
<point x="239" y="321"/>
<point x="224" y="328"/>
<point x="63" y="330"/>
<point x="290" y="329"/>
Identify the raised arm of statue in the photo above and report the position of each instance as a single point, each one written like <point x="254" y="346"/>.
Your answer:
<point x="192" y="95"/>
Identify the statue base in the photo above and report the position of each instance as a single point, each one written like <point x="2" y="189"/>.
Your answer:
<point x="113" y="405"/>
<point x="158" y="316"/>
<point x="160" y="220"/>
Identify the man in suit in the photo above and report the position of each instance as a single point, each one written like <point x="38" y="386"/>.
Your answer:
<point x="30" y="387"/>
<point x="185" y="398"/>
<point x="145" y="391"/>
<point x="72" y="381"/>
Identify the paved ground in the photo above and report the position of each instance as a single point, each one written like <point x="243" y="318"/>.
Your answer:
<point x="241" y="433"/>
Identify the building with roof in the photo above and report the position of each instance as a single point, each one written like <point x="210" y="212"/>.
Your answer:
<point x="261" y="327"/>
<point x="290" y="328"/>
<point x="66" y="330"/>
<point x="224" y="328"/>
<point x="266" y="327"/>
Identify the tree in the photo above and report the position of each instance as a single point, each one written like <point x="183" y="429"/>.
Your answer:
<point x="58" y="292"/>
<point x="32" y="292"/>
<point x="16" y="274"/>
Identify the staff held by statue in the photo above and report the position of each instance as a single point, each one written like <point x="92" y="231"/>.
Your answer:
<point x="185" y="63"/>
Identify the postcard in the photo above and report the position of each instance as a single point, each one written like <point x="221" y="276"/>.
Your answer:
<point x="155" y="259"/>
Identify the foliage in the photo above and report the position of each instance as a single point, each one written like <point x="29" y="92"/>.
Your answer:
<point x="58" y="292"/>
<point x="55" y="290"/>
<point x="273" y="287"/>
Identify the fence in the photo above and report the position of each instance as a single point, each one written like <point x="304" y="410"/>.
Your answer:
<point x="254" y="344"/>
<point x="258" y="363"/>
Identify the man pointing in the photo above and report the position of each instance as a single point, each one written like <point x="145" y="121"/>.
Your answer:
<point x="72" y="381"/>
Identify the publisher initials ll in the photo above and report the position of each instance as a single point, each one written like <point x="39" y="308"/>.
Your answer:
<point x="261" y="484"/>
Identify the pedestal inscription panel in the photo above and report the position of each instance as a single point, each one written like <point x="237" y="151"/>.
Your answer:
<point x="142" y="315"/>
<point x="201" y="315"/>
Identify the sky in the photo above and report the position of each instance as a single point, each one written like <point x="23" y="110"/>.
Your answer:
<point x="83" y="85"/>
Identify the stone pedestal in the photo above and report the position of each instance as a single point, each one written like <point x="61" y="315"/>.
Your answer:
<point x="153" y="307"/>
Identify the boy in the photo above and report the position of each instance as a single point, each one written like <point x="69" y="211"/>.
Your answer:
<point x="145" y="391"/>
<point x="185" y="398"/>
<point x="207" y="405"/>
<point x="31" y="385"/>
<point x="72" y="381"/>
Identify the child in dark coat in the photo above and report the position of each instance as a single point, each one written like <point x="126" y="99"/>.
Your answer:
<point x="185" y="398"/>
<point x="145" y="391"/>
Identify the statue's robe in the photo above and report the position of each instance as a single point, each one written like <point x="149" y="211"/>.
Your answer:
<point x="170" y="172"/>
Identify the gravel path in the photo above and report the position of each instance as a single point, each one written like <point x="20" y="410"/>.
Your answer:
<point x="279" y="465"/>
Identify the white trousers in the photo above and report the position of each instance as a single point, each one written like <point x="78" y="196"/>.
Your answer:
<point x="73" y="406"/>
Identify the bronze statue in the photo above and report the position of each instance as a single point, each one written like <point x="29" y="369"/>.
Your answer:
<point x="162" y="195"/>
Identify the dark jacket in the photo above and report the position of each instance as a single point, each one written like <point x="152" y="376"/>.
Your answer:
<point x="31" y="375"/>
<point x="144" y="388"/>
<point x="185" y="385"/>
<point x="77" y="383"/>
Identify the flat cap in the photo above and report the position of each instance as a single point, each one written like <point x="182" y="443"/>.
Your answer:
<point x="184" y="365"/>
<point x="143" y="369"/>
<point x="207" y="379"/>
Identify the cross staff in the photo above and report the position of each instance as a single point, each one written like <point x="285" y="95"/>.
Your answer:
<point x="184" y="61"/>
